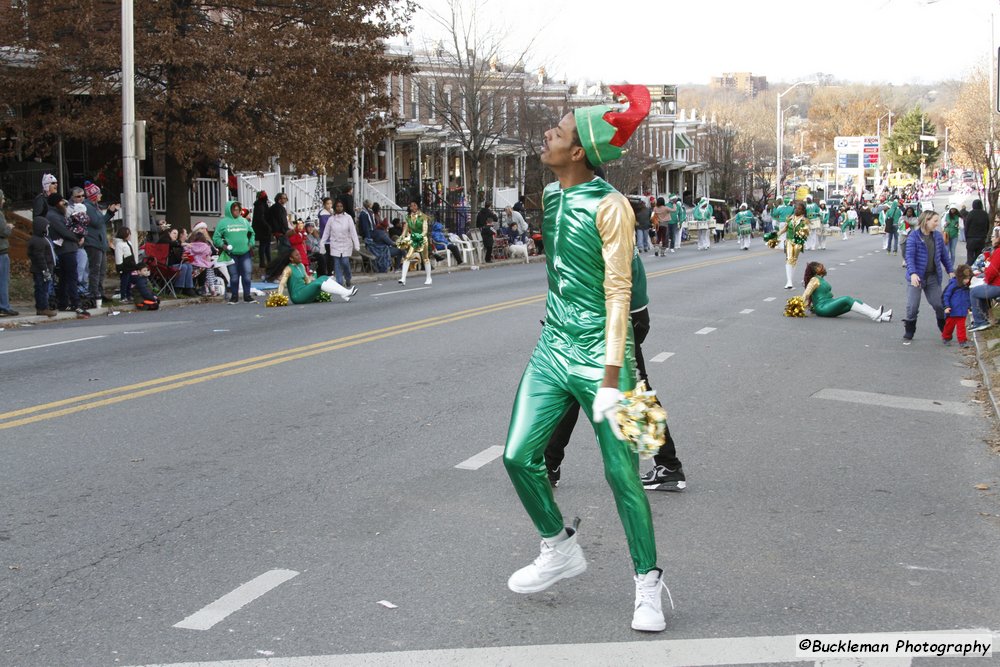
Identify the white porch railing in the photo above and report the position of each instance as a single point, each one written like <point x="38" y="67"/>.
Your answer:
<point x="251" y="184"/>
<point x="302" y="196"/>
<point x="504" y="197"/>
<point x="377" y="192"/>
<point x="203" y="198"/>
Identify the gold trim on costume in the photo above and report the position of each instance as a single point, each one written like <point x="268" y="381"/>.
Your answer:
<point x="616" y="226"/>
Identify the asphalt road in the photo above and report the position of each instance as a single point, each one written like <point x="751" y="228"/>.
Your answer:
<point x="156" y="462"/>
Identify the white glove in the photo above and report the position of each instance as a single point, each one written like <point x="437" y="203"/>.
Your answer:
<point x="606" y="407"/>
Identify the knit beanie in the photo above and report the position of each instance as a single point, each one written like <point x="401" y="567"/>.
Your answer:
<point x="92" y="191"/>
<point x="47" y="180"/>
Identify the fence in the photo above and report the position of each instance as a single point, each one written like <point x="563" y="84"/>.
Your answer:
<point x="303" y="199"/>
<point x="204" y="198"/>
<point x="251" y="184"/>
<point x="503" y="197"/>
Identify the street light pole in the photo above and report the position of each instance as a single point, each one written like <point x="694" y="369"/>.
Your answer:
<point x="128" y="120"/>
<point x="780" y="132"/>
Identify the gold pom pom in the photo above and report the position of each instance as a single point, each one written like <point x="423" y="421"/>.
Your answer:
<point x="276" y="301"/>
<point x="643" y="421"/>
<point x="795" y="307"/>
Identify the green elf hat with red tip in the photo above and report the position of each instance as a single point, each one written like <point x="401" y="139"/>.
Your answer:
<point x="603" y="131"/>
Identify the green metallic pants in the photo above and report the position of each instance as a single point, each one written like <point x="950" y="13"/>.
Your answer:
<point x="551" y="383"/>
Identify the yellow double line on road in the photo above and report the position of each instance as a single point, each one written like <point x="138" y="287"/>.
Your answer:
<point x="68" y="406"/>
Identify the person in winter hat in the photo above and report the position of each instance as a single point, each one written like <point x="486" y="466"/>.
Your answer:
<point x="586" y="330"/>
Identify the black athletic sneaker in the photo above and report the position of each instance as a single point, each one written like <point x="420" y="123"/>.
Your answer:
<point x="554" y="476"/>
<point x="662" y="478"/>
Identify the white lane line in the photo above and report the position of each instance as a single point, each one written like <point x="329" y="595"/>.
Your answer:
<point x="702" y="332"/>
<point x="401" y="291"/>
<point x="843" y="264"/>
<point x="890" y="401"/>
<point x="746" y="311"/>
<point x="968" y="383"/>
<point x="663" y="653"/>
<point x="661" y="357"/>
<point x="482" y="458"/>
<point x="62" y="342"/>
<point x="770" y="298"/>
<point x="206" y="617"/>
<point x="852" y="260"/>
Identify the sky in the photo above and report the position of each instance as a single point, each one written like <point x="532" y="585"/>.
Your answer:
<point x="671" y="42"/>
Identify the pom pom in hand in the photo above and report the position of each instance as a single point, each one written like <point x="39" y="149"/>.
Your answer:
<point x="771" y="239"/>
<point x="795" y="307"/>
<point x="403" y="243"/>
<point x="276" y="301"/>
<point x="323" y="297"/>
<point x="643" y="421"/>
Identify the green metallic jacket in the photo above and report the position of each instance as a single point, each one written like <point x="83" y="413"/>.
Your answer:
<point x="590" y="229"/>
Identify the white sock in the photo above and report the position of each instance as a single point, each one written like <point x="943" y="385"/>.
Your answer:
<point x="556" y="539"/>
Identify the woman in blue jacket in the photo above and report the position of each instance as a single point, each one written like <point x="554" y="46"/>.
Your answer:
<point x="927" y="264"/>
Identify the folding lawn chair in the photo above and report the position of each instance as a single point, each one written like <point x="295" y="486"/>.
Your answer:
<point x="160" y="273"/>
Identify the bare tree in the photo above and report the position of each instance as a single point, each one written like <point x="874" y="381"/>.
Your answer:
<point x="972" y="143"/>
<point x="474" y="84"/>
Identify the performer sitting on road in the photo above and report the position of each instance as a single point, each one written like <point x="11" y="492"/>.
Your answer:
<point x="301" y="286"/>
<point x="819" y="298"/>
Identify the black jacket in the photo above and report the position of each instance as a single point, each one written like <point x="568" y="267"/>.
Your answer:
<point x="977" y="224"/>
<point x="277" y="218"/>
<point x="59" y="230"/>
<point x="484" y="215"/>
<point x="260" y="223"/>
<point x="39" y="250"/>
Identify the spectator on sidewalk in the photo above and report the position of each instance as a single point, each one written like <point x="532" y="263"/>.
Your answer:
<point x="96" y="239"/>
<point x="957" y="302"/>
<point x="340" y="239"/>
<point x="5" y="231"/>
<point x="43" y="264"/>
<point x="441" y="242"/>
<point x="66" y="245"/>
<point x="125" y="262"/>
<point x="262" y="228"/>
<point x="175" y="260"/>
<point x="347" y="199"/>
<point x="516" y="217"/>
<point x="312" y="243"/>
<point x="234" y="234"/>
<point x="989" y="289"/>
<point x="278" y="217"/>
<point x="384" y="248"/>
<point x="642" y="225"/>
<point x="366" y="223"/>
<point x="977" y="230"/>
<point x="298" y="239"/>
<point x="50" y="186"/>
<point x="199" y="248"/>
<point x="78" y="220"/>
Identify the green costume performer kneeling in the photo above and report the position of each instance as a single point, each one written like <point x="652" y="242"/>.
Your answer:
<point x="819" y="298"/>
<point x="585" y="352"/>
<point x="301" y="286"/>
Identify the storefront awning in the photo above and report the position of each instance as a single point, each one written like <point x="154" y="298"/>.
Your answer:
<point x="683" y="142"/>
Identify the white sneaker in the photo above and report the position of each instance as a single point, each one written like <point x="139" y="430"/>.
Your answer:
<point x="347" y="297"/>
<point x="648" y="614"/>
<point x="562" y="561"/>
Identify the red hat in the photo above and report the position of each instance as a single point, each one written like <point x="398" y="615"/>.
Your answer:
<point x="92" y="191"/>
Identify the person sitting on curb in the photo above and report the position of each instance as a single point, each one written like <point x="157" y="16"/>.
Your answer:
<point x="441" y="242"/>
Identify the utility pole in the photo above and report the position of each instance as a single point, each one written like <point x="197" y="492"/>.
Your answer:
<point x="129" y="204"/>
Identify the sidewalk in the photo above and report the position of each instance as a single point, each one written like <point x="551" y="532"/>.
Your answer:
<point x="360" y="279"/>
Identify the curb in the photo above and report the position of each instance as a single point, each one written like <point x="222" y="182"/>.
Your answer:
<point x="986" y="376"/>
<point x="32" y="320"/>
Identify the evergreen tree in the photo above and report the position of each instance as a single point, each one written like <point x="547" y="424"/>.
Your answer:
<point x="904" y="149"/>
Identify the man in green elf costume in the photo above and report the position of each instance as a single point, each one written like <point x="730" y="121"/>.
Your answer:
<point x="585" y="352"/>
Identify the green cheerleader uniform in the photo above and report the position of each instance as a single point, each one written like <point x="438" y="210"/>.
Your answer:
<point x="589" y="237"/>
<point x="823" y="303"/>
<point x="744" y="222"/>
<point x="299" y="291"/>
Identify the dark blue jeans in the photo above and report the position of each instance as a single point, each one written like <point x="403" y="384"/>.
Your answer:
<point x="239" y="271"/>
<point x="41" y="291"/>
<point x="67" y="294"/>
<point x="342" y="270"/>
<point x="891" y="241"/>
<point x="981" y="294"/>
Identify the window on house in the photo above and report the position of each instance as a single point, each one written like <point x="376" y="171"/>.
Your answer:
<point x="414" y="100"/>
<point x="431" y="99"/>
<point x="402" y="100"/>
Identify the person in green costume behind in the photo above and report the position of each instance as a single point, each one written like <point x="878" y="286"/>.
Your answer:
<point x="780" y="215"/>
<point x="301" y="286"/>
<point x="950" y="224"/>
<point x="819" y="298"/>
<point x="744" y="226"/>
<point x="585" y="351"/>
<point x="824" y="220"/>
<point x="815" y="226"/>
<point x="704" y="221"/>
